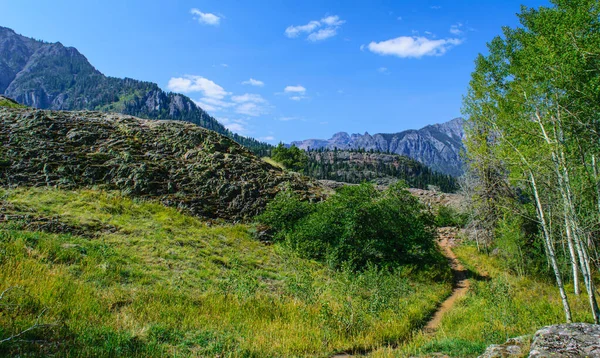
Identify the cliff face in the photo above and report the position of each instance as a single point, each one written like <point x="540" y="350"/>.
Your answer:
<point x="380" y="168"/>
<point x="438" y="146"/>
<point x="177" y="163"/>
<point x="51" y="76"/>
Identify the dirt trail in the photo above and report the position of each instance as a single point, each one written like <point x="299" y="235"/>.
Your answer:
<point x="460" y="285"/>
<point x="446" y="239"/>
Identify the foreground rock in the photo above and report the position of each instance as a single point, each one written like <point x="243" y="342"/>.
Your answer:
<point x="567" y="340"/>
<point x="514" y="347"/>
<point x="563" y="340"/>
<point x="178" y="163"/>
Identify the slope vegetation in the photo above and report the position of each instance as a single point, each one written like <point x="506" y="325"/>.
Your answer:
<point x="98" y="274"/>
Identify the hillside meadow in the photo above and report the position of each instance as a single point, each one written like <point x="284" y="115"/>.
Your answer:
<point x="97" y="274"/>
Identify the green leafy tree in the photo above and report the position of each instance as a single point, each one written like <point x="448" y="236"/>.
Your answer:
<point x="357" y="227"/>
<point x="292" y="158"/>
<point x="533" y="107"/>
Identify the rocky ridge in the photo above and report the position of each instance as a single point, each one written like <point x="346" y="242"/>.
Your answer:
<point x="177" y="163"/>
<point x="437" y="146"/>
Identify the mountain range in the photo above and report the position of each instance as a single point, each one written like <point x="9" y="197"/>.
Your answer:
<point x="438" y="146"/>
<point x="52" y="76"/>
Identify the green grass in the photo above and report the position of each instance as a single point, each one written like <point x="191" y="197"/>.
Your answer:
<point x="498" y="306"/>
<point x="111" y="276"/>
<point x="10" y="104"/>
<point x="272" y="162"/>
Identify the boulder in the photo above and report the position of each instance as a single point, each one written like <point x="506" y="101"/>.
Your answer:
<point x="567" y="340"/>
<point x="514" y="347"/>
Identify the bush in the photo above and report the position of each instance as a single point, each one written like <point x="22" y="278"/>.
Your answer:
<point x="292" y="158"/>
<point x="356" y="227"/>
<point x="448" y="216"/>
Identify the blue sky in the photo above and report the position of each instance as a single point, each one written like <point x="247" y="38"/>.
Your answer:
<point x="285" y="70"/>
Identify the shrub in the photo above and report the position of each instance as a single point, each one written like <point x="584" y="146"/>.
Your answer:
<point x="356" y="227"/>
<point x="448" y="216"/>
<point x="292" y="158"/>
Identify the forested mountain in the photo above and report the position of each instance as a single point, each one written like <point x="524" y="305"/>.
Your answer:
<point x="357" y="166"/>
<point x="438" y="146"/>
<point x="51" y="76"/>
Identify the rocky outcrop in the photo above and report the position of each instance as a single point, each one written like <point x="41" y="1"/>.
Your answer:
<point x="437" y="146"/>
<point x="177" y="163"/>
<point x="567" y="340"/>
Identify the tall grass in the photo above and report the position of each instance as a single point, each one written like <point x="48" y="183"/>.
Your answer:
<point x="105" y="275"/>
<point x="498" y="306"/>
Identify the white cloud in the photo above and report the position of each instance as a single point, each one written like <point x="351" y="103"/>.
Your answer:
<point x="287" y="119"/>
<point x="295" y="31"/>
<point x="248" y="97"/>
<point x="206" y="106"/>
<point x="435" y="7"/>
<point x="217" y="102"/>
<point x="235" y="125"/>
<point x="294" y="89"/>
<point x="215" y="98"/>
<point x="327" y="28"/>
<point x="383" y="70"/>
<point x="399" y="18"/>
<point x="205" y="18"/>
<point x="415" y="46"/>
<point x="253" y="82"/>
<point x="268" y="138"/>
<point x="456" y="29"/>
<point x="322" y="34"/>
<point x="250" y="109"/>
<point x="188" y="83"/>
<point x="332" y="21"/>
<point x="297" y="98"/>
<point x="250" y="104"/>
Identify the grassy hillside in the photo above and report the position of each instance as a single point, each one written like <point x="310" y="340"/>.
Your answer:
<point x="104" y="275"/>
<point x="7" y="102"/>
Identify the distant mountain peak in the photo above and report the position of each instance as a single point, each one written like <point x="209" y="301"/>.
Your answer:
<point x="437" y="145"/>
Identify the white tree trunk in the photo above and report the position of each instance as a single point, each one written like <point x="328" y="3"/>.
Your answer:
<point x="550" y="249"/>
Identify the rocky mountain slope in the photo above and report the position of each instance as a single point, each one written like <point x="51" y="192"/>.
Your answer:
<point x="438" y="146"/>
<point x="177" y="163"/>
<point x="51" y="76"/>
<point x="381" y="168"/>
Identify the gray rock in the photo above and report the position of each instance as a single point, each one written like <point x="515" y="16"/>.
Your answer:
<point x="567" y="340"/>
<point x="514" y="347"/>
<point x="438" y="146"/>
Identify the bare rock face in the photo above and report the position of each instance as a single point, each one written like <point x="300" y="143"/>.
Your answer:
<point x="177" y="163"/>
<point x="438" y="146"/>
<point x="567" y="340"/>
